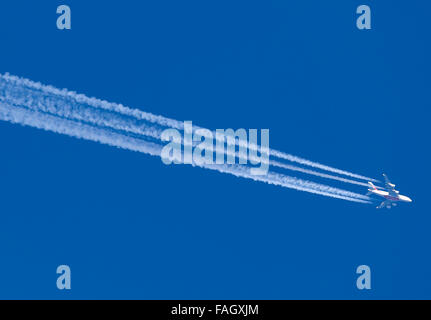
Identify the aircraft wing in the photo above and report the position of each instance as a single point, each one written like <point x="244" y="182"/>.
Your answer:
<point x="387" y="181"/>
<point x="390" y="186"/>
<point x="384" y="204"/>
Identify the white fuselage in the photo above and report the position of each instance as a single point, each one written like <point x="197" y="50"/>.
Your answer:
<point x="387" y="196"/>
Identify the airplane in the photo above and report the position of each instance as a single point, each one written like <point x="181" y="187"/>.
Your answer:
<point x="391" y="195"/>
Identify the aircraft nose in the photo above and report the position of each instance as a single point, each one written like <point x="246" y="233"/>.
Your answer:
<point x="408" y="199"/>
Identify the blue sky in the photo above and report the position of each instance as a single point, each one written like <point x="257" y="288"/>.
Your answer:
<point x="131" y="227"/>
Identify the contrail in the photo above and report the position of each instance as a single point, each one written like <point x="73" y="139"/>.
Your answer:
<point x="48" y="122"/>
<point x="317" y="174"/>
<point x="64" y="108"/>
<point x="318" y="165"/>
<point x="60" y="103"/>
<point x="13" y="86"/>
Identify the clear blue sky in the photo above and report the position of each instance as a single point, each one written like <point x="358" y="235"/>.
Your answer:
<point x="131" y="227"/>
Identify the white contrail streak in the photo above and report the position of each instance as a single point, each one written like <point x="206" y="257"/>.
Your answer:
<point x="48" y="102"/>
<point x="100" y="117"/>
<point x="25" y="116"/>
<point x="315" y="173"/>
<point x="15" y="86"/>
